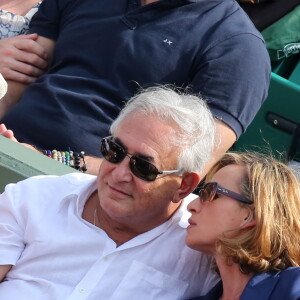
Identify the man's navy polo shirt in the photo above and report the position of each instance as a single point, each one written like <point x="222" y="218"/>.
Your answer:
<point x="106" y="50"/>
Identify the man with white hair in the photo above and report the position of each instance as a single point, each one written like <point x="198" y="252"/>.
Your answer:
<point x="114" y="236"/>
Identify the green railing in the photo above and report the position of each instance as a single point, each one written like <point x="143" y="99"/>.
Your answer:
<point x="18" y="162"/>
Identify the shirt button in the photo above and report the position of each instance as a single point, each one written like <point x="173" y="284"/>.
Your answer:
<point x="82" y="290"/>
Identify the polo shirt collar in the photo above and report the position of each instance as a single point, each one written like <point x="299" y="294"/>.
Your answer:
<point x="137" y="3"/>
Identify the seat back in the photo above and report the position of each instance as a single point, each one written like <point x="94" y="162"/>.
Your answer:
<point x="277" y="124"/>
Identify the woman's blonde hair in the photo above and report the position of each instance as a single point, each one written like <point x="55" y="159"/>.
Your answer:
<point x="274" y="242"/>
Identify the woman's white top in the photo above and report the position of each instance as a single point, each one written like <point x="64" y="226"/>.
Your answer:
<point x="12" y="24"/>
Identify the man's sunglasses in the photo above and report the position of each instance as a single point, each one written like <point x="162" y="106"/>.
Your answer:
<point x="209" y="191"/>
<point x="141" y="168"/>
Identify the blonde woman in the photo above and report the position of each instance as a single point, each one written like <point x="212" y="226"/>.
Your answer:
<point x="248" y="217"/>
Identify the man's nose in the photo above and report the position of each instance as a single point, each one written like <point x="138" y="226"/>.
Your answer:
<point x="122" y="170"/>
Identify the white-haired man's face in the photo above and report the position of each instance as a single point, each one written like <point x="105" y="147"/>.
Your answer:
<point x="123" y="196"/>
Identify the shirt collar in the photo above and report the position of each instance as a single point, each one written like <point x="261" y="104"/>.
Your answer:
<point x="88" y="184"/>
<point x="84" y="186"/>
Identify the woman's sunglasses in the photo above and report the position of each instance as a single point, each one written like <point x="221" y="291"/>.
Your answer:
<point x="209" y="191"/>
<point x="141" y="168"/>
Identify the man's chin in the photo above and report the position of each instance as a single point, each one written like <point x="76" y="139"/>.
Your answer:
<point x="116" y="208"/>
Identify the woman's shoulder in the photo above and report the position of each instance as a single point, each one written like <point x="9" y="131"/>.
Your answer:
<point x="288" y="284"/>
<point x="271" y="285"/>
<point x="291" y="274"/>
<point x="275" y="285"/>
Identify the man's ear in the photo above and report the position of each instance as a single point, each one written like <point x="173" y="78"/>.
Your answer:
<point x="189" y="182"/>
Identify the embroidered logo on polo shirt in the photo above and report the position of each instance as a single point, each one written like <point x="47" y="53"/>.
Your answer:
<point x="166" y="41"/>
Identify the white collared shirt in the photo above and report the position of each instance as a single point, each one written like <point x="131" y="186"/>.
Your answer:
<point x="56" y="254"/>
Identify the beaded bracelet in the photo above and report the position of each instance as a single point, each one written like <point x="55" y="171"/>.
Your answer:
<point x="68" y="158"/>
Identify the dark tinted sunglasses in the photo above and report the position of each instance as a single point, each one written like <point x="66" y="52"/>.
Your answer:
<point x="141" y="168"/>
<point x="209" y="191"/>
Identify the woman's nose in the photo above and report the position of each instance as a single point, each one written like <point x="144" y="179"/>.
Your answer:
<point x="194" y="206"/>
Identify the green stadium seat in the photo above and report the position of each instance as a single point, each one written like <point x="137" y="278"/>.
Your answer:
<point x="276" y="127"/>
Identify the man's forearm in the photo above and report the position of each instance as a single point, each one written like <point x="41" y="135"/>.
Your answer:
<point x="93" y="164"/>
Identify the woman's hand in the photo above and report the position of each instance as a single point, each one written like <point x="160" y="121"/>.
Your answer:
<point x="22" y="59"/>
